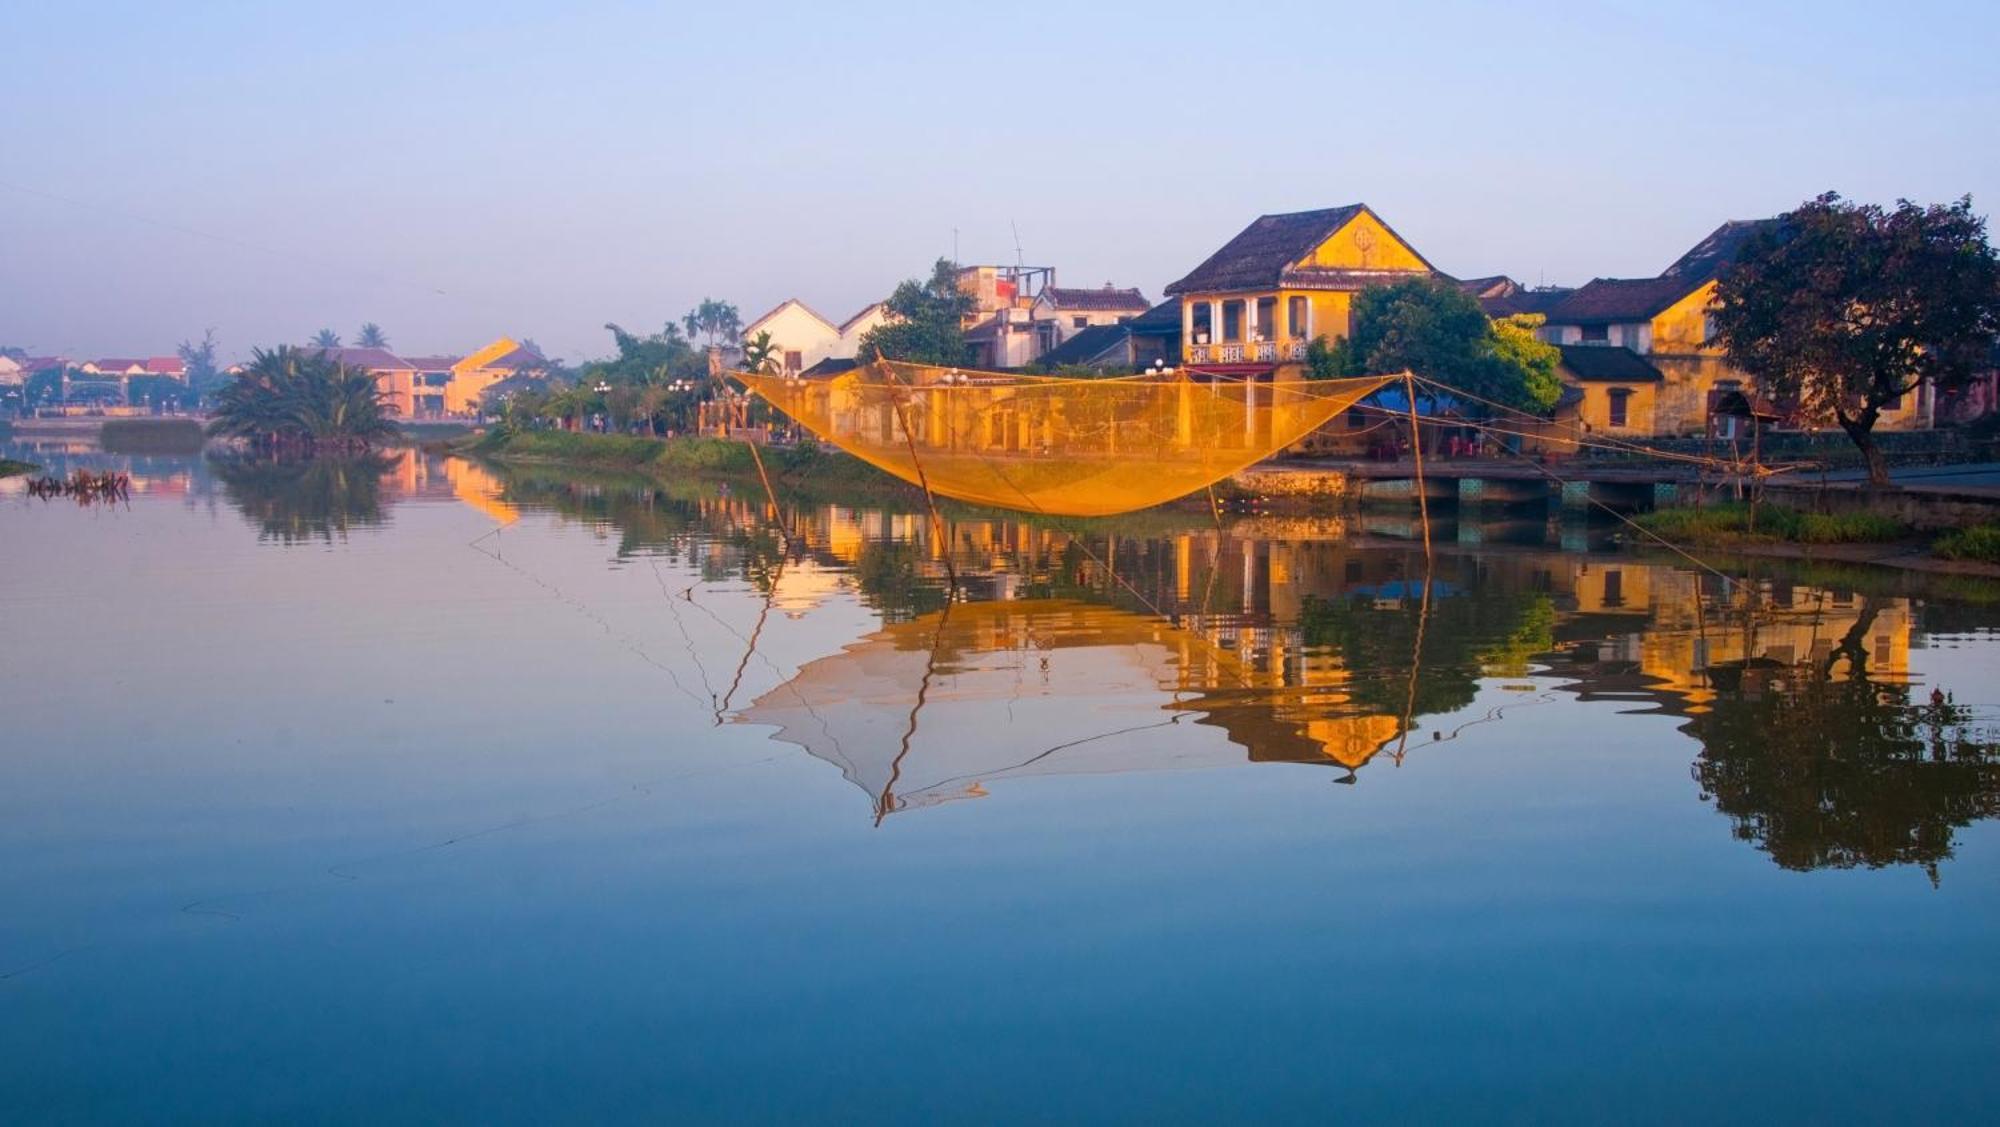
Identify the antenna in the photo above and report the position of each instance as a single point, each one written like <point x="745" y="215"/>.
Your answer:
<point x="1019" y="258"/>
<point x="954" y="246"/>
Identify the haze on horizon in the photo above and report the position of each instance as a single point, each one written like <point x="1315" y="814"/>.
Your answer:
<point x="458" y="171"/>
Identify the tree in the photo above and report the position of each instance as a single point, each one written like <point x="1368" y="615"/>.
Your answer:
<point x="326" y="338"/>
<point x="1843" y="309"/>
<point x="372" y="336"/>
<point x="926" y="320"/>
<point x="1826" y="767"/>
<point x="715" y="320"/>
<point x="760" y="353"/>
<point x="202" y="374"/>
<point x="1438" y="331"/>
<point x="296" y="400"/>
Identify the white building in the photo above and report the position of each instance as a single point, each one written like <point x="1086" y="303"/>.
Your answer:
<point x="803" y="337"/>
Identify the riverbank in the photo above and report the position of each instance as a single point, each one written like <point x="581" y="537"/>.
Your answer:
<point x="1780" y="532"/>
<point x="793" y="469"/>
<point x="11" y="468"/>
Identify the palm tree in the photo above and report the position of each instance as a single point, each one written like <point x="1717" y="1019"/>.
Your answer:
<point x="760" y="353"/>
<point x="299" y="400"/>
<point x="326" y="338"/>
<point x="372" y="336"/>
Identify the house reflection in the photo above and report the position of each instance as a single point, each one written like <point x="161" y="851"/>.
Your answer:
<point x="1301" y="641"/>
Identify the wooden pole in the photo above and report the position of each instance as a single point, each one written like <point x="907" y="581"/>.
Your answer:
<point x="1417" y="452"/>
<point x="923" y="479"/>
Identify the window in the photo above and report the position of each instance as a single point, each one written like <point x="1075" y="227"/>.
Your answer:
<point x="1232" y="319"/>
<point x="1296" y="316"/>
<point x="794" y="361"/>
<point x="1614" y="588"/>
<point x="1597" y="334"/>
<point x="1079" y="322"/>
<point x="1267" y="318"/>
<point x="1198" y="319"/>
<point x="1619" y="411"/>
<point x="1356" y="419"/>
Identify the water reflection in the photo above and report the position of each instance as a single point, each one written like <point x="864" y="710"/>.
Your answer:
<point x="1069" y="645"/>
<point x="299" y="500"/>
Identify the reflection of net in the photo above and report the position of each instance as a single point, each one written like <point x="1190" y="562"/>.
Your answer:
<point x="1017" y="689"/>
<point x="1074" y="447"/>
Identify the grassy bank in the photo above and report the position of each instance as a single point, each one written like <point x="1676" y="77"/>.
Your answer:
<point x="681" y="457"/>
<point x="151" y="436"/>
<point x="1980" y="543"/>
<point x="11" y="468"/>
<point x="1734" y="524"/>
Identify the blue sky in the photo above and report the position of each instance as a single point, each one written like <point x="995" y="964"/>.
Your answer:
<point x="458" y="171"/>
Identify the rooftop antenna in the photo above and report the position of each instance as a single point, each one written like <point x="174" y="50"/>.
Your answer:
<point x="1019" y="258"/>
<point x="954" y="246"/>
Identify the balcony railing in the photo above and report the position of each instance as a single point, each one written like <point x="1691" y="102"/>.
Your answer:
<point x="1239" y="352"/>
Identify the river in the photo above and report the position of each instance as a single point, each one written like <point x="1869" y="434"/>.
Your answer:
<point x="423" y="789"/>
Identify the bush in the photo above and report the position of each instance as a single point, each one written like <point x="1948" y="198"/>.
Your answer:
<point x="1981" y="542"/>
<point x="1731" y="524"/>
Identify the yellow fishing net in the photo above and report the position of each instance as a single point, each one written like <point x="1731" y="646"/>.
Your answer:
<point x="1044" y="444"/>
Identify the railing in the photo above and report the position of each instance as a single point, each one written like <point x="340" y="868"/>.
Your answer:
<point x="1234" y="353"/>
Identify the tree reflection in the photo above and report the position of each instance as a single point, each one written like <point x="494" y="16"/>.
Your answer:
<point x="1822" y="766"/>
<point x="294" y="500"/>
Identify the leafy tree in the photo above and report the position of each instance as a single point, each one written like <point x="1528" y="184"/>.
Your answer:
<point x="717" y="321"/>
<point x="1438" y="331"/>
<point x="1845" y="308"/>
<point x="760" y="353"/>
<point x="326" y="338"/>
<point x="297" y="400"/>
<point x="13" y="352"/>
<point x="926" y="320"/>
<point x="202" y="373"/>
<point x="372" y="336"/>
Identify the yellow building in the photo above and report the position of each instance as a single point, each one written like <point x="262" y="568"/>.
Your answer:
<point x="454" y="385"/>
<point x="1283" y="281"/>
<point x="1657" y="331"/>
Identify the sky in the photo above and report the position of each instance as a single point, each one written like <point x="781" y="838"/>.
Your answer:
<point x="459" y="171"/>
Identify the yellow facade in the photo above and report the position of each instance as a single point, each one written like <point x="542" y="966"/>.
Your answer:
<point x="1275" y="324"/>
<point x="1600" y="412"/>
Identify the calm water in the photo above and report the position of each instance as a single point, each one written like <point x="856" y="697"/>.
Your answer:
<point x="421" y="791"/>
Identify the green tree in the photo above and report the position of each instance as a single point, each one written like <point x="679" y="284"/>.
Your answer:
<point x="199" y="358"/>
<point x="926" y="322"/>
<point x="1438" y="331"/>
<point x="760" y="353"/>
<point x="1846" y="308"/>
<point x="298" y="400"/>
<point x="372" y="336"/>
<point x="326" y="338"/>
<point x="715" y="321"/>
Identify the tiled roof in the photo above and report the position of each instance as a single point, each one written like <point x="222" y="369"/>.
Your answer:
<point x="1710" y="255"/>
<point x="1524" y="301"/>
<point x="831" y="366"/>
<point x="521" y="357"/>
<point x="1087" y="345"/>
<point x="118" y="364"/>
<point x="780" y="308"/>
<point x="373" y="359"/>
<point x="865" y="311"/>
<point x="1108" y="299"/>
<point x="433" y="363"/>
<point x="1497" y="285"/>
<point x="1258" y="255"/>
<point x="1605" y="300"/>
<point x="1162" y="318"/>
<point x="165" y="365"/>
<point x="43" y="364"/>
<point x="1603" y="363"/>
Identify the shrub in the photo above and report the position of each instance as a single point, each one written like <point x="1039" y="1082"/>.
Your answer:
<point x="1731" y="524"/>
<point x="1981" y="542"/>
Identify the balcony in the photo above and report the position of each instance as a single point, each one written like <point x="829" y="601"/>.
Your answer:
<point x="1238" y="352"/>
